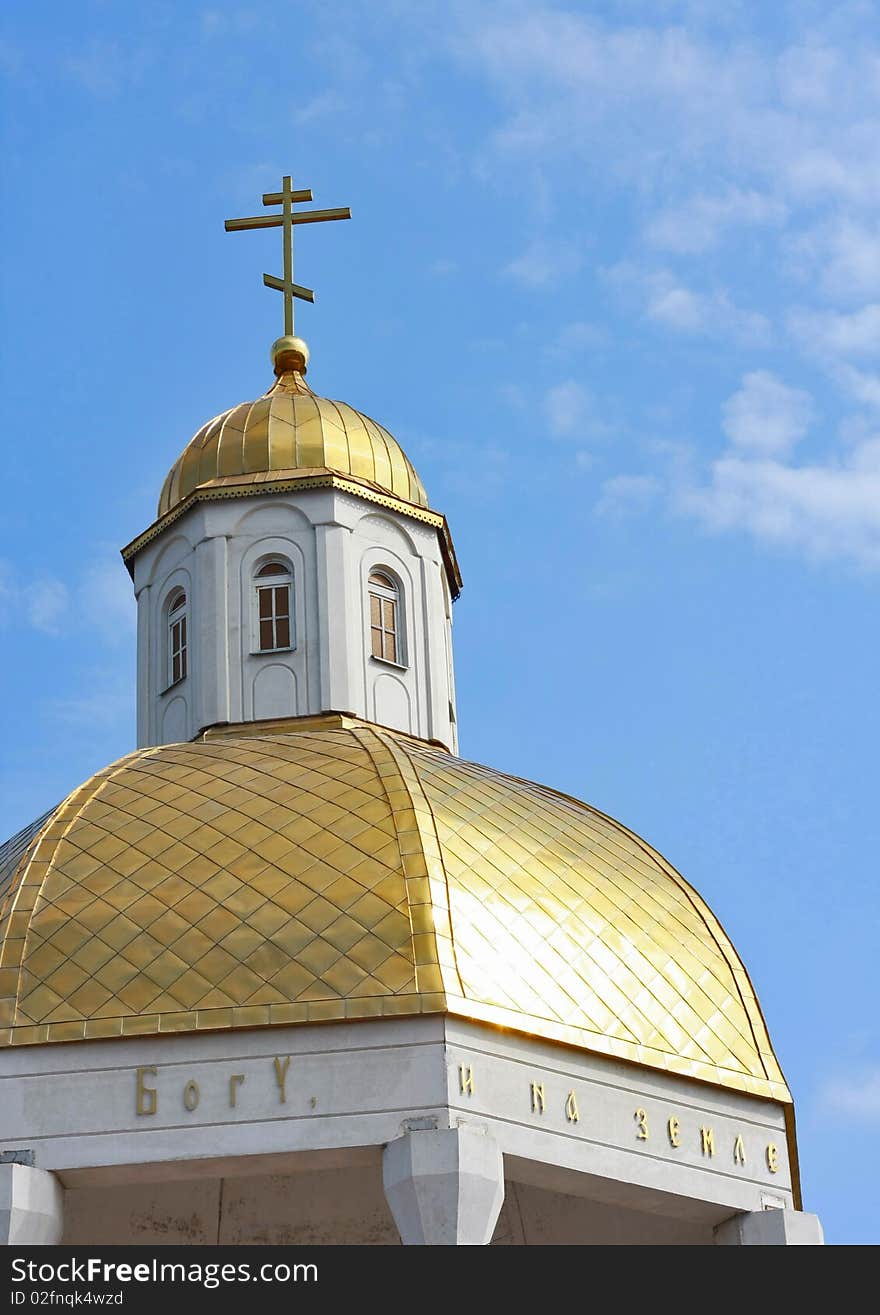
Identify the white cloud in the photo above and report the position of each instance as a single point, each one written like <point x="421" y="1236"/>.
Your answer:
<point x="853" y="259"/>
<point x="41" y="602"/>
<point x="572" y="412"/>
<point x="106" y="68"/>
<point x="864" y="387"/>
<point x="799" y="122"/>
<point x="319" y="107"/>
<point x="667" y="301"/>
<point x="104" y="708"/>
<point x="545" y="57"/>
<point x="857" y="1098"/>
<point x="807" y="75"/>
<point x="577" y="337"/>
<point x="624" y="493"/>
<point x="699" y="223"/>
<point x="833" y="333"/>
<point x="676" y="306"/>
<point x="468" y="469"/>
<point x="46" y="602"/>
<point x="844" y="253"/>
<point x="106" y="598"/>
<point x="765" y="416"/>
<point x="828" y="510"/>
<point x="768" y="136"/>
<point x="712" y="313"/>
<point x="103" y="600"/>
<point x="544" y="262"/>
<point x="566" y="404"/>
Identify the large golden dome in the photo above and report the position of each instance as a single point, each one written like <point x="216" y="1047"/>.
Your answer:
<point x="289" y="432"/>
<point x="330" y="869"/>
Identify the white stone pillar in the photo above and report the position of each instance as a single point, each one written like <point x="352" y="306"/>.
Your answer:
<point x="210" y="637"/>
<point x="31" y="1206"/>
<point x="783" y="1228"/>
<point x="444" y="1187"/>
<point x="341" y="642"/>
<point x="434" y="707"/>
<point x="146" y="693"/>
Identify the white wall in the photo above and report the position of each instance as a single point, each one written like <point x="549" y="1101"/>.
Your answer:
<point x="332" y="541"/>
<point x="342" y="1089"/>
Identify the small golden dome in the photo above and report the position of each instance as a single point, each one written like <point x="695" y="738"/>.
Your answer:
<point x="335" y="870"/>
<point x="290" y="431"/>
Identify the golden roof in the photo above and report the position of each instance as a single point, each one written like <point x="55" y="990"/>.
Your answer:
<point x="330" y="869"/>
<point x="291" y="431"/>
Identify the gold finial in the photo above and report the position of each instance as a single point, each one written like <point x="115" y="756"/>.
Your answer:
<point x="289" y="353"/>
<point x="285" y="221"/>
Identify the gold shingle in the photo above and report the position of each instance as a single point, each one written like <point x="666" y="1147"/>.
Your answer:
<point x="336" y="870"/>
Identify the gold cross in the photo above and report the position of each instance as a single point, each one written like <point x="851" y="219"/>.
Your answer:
<point x="285" y="221"/>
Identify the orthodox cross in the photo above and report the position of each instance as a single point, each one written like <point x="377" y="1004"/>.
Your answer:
<point x="285" y="221"/>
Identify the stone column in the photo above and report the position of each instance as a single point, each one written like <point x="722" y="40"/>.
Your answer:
<point x="782" y="1228"/>
<point x="340" y="630"/>
<point x="31" y="1206"/>
<point x="210" y="637"/>
<point x="445" y="1187"/>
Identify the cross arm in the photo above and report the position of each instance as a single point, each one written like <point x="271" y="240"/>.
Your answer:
<point x="276" y="221"/>
<point x="277" y="198"/>
<point x="304" y="294"/>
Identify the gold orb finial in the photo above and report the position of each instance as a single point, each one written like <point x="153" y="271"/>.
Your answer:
<point x="289" y="353"/>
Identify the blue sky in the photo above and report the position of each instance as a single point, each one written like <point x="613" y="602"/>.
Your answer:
<point x="613" y="280"/>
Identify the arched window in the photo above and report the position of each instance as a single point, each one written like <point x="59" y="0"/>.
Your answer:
<point x="274" y="583"/>
<point x="177" y="643"/>
<point x="385" y="637"/>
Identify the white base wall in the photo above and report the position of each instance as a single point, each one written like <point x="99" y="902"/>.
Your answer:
<point x="277" y="1134"/>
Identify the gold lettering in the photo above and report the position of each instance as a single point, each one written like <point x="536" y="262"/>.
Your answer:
<point x="235" y="1082"/>
<point x="191" y="1095"/>
<point x="466" y="1079"/>
<point x="739" y="1150"/>
<point x="772" y="1158"/>
<point x="673" y="1127"/>
<point x="707" y="1141"/>
<point x="538" y="1098"/>
<point x="147" y="1099"/>
<point x="641" y="1119"/>
<point x="571" y="1108"/>
<point x="281" y="1067"/>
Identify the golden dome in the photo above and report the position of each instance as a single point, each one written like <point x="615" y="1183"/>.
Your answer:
<point x="330" y="869"/>
<point x="291" y="431"/>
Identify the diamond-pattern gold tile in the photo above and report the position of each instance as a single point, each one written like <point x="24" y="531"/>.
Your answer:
<point x="343" y="871"/>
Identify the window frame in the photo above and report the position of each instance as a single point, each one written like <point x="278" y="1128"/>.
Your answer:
<point x="176" y="636"/>
<point x="393" y="593"/>
<point x="264" y="581"/>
